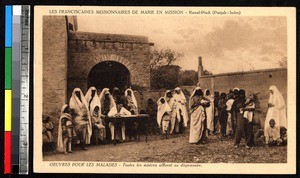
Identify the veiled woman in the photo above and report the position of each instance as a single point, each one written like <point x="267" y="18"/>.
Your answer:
<point x="276" y="109"/>
<point x="93" y="102"/>
<point x="131" y="102"/>
<point x="65" y="130"/>
<point x="209" y="112"/>
<point x="81" y="117"/>
<point x="198" y="117"/>
<point x="106" y="101"/>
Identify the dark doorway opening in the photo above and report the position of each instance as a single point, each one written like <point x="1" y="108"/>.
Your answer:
<point x="109" y="74"/>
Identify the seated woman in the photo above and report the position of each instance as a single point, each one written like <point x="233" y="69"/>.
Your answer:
<point x="131" y="101"/>
<point x="118" y="111"/>
<point x="98" y="127"/>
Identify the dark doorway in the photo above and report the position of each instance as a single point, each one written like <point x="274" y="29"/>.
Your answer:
<point x="109" y="74"/>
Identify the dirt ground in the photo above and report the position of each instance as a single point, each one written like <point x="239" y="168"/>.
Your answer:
<point x="176" y="149"/>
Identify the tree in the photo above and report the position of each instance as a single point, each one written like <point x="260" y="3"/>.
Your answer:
<point x="165" y="77"/>
<point x="163" y="57"/>
<point x="188" y="78"/>
<point x="206" y="72"/>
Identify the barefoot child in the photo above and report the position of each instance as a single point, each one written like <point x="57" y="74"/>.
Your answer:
<point x="273" y="134"/>
<point x="163" y="116"/>
<point x="48" y="129"/>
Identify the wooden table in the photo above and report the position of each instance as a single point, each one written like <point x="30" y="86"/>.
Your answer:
<point x="142" y="120"/>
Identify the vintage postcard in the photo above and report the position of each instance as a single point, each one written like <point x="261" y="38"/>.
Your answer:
<point x="164" y="90"/>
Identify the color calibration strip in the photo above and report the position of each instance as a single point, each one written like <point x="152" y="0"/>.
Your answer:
<point x="17" y="45"/>
<point x="8" y="89"/>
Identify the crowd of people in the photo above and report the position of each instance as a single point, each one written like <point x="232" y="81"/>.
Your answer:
<point x="228" y="114"/>
<point x="232" y="114"/>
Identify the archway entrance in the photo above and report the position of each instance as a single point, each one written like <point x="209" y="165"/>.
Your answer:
<point x="109" y="74"/>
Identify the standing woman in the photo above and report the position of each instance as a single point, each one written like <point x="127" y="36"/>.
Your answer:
<point x="198" y="117"/>
<point x="81" y="117"/>
<point x="277" y="109"/>
<point x="209" y="112"/>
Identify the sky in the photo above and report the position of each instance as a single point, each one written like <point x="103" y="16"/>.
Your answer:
<point x="226" y="44"/>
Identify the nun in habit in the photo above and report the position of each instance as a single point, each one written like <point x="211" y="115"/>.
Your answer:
<point x="181" y="106"/>
<point x="95" y="112"/>
<point x="106" y="101"/>
<point x="131" y="101"/>
<point x="81" y="117"/>
<point x="172" y="103"/>
<point x="163" y="116"/>
<point x="276" y="109"/>
<point x="198" y="117"/>
<point x="209" y="112"/>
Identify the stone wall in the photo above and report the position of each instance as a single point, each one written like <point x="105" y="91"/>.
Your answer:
<point x="85" y="50"/>
<point x="54" y="65"/>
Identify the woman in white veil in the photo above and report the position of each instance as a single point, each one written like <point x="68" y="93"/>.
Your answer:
<point x="276" y="109"/>
<point x="106" y="101"/>
<point x="131" y="101"/>
<point x="82" y="118"/>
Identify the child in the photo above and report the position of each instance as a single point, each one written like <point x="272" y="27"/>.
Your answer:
<point x="163" y="116"/>
<point x="248" y="115"/>
<point x="283" y="135"/>
<point x="65" y="131"/>
<point x="273" y="134"/>
<point x="48" y="129"/>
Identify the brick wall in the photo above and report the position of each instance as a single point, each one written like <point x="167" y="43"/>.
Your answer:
<point x="85" y="50"/>
<point x="54" y="64"/>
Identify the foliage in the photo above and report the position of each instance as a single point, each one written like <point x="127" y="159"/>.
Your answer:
<point x="163" y="57"/>
<point x="188" y="78"/>
<point x="165" y="77"/>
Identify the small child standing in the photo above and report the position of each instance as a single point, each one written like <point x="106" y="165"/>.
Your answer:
<point x="163" y="116"/>
<point x="273" y="134"/>
<point x="48" y="129"/>
<point x="283" y="135"/>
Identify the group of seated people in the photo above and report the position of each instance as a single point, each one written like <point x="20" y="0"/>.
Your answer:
<point x="83" y="117"/>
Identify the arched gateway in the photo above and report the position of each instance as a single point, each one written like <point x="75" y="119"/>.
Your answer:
<point x="82" y="59"/>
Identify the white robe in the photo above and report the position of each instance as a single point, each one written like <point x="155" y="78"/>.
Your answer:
<point x="197" y="124"/>
<point x="172" y="103"/>
<point x="181" y="105"/>
<point x="133" y="99"/>
<point x="278" y="112"/>
<point x="161" y="110"/>
<point x="81" y="108"/>
<point x="60" y="144"/>
<point x="210" y="113"/>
